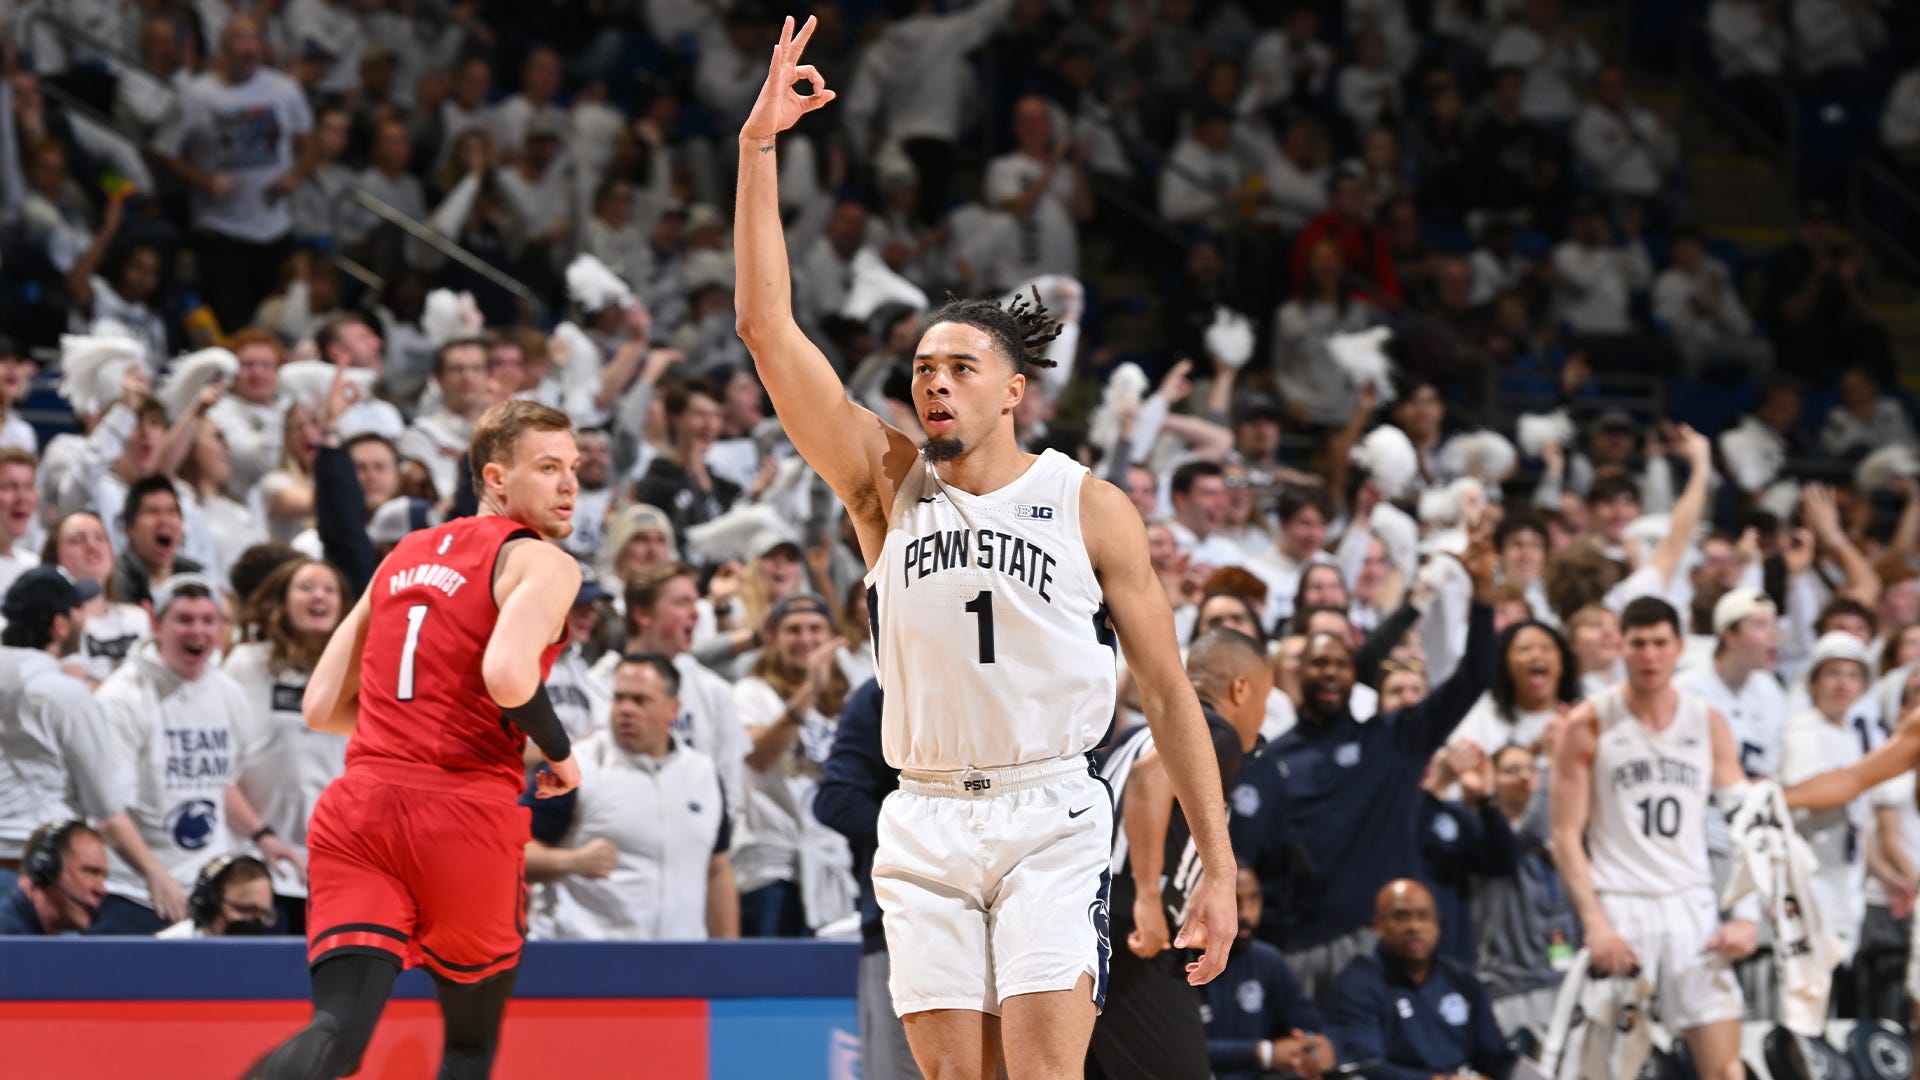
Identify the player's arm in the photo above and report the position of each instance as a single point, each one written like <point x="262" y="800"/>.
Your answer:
<point x="331" y="702"/>
<point x="1144" y="815"/>
<point x="858" y="454"/>
<point x="1117" y="543"/>
<point x="535" y="589"/>
<point x="1571" y="801"/>
<point x="1838" y="787"/>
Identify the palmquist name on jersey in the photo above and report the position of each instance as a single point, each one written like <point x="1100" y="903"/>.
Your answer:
<point x="950" y="549"/>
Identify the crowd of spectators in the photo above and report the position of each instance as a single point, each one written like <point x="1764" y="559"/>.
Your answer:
<point x="288" y="258"/>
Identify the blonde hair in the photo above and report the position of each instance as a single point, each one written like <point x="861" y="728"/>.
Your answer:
<point x="500" y="427"/>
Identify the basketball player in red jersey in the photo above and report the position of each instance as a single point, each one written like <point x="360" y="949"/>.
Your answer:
<point x="416" y="853"/>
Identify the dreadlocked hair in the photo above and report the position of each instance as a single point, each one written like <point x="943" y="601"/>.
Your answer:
<point x="1021" y="330"/>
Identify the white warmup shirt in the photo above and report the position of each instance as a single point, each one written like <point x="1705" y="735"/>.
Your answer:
<point x="179" y="738"/>
<point x="56" y="752"/>
<point x="1647" y="832"/>
<point x="992" y="643"/>
<point x="288" y="764"/>
<point x="667" y="819"/>
<point x="779" y="839"/>
<point x="1813" y="745"/>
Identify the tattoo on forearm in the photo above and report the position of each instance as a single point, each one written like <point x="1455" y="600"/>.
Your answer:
<point x="766" y="149"/>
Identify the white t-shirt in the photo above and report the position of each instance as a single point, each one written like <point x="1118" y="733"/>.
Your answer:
<point x="109" y="638"/>
<point x="146" y="325"/>
<point x="180" y="739"/>
<point x="1049" y="242"/>
<point x="1486" y="728"/>
<point x="780" y="839"/>
<point x="61" y="760"/>
<point x="14" y="562"/>
<point x="246" y="131"/>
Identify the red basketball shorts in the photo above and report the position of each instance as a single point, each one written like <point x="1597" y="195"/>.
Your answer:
<point x="424" y="877"/>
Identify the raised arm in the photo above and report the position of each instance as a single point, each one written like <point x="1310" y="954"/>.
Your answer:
<point x="858" y="454"/>
<point x="1117" y="544"/>
<point x="1690" y="507"/>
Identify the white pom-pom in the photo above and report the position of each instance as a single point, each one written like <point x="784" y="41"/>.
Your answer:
<point x="1125" y="389"/>
<point x="730" y="536"/>
<point x="593" y="286"/>
<point x="874" y="285"/>
<point x="450" y="316"/>
<point x="193" y="373"/>
<point x="1538" y="430"/>
<point x="1648" y="530"/>
<point x="1486" y="456"/>
<point x="570" y="345"/>
<point x="1439" y="507"/>
<point x="1230" y="338"/>
<point x="91" y="367"/>
<point x="1885" y="465"/>
<point x="1388" y="456"/>
<point x="1400" y="535"/>
<point x="307" y="382"/>
<point x="1061" y="294"/>
<point x="1781" y="499"/>
<point x="1362" y="358"/>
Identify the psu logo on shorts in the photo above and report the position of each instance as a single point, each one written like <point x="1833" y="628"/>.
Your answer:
<point x="976" y="784"/>
<point x="1036" y="513"/>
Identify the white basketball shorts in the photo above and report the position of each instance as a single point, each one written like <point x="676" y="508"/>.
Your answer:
<point x="1691" y="987"/>
<point x="994" y="883"/>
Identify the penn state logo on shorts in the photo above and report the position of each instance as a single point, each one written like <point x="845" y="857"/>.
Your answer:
<point x="1347" y="755"/>
<point x="1246" y="800"/>
<point x="1446" y="828"/>
<point x="1250" y="995"/>
<point x="191" y="824"/>
<point x="1454" y="1010"/>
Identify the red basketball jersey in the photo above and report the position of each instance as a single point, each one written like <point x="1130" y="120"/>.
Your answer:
<point x="426" y="719"/>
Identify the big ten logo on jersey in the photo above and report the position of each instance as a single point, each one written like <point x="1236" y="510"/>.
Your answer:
<point x="1034" y="512"/>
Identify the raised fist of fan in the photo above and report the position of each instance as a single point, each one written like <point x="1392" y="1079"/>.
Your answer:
<point x="780" y="106"/>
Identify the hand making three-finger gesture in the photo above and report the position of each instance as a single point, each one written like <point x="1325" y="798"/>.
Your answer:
<point x="780" y="106"/>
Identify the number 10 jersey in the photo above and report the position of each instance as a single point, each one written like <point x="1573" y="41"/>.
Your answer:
<point x="426" y="719"/>
<point x="989" y="630"/>
<point x="1647" y="835"/>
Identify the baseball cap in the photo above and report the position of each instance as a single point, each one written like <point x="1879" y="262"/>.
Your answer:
<point x="1255" y="406"/>
<point x="590" y="593"/>
<point x="1838" y="645"/>
<point x="769" y="540"/>
<point x="396" y="518"/>
<point x="799" y="603"/>
<point x="36" y="596"/>
<point x="1614" y="420"/>
<point x="1737" y="604"/>
<point x="165" y="593"/>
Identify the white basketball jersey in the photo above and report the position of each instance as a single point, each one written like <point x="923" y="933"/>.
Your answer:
<point x="1647" y="834"/>
<point x="989" y="630"/>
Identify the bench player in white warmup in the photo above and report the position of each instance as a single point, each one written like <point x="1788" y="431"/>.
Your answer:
<point x="993" y="574"/>
<point x="1633" y="771"/>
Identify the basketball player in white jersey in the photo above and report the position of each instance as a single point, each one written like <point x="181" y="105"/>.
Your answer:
<point x="993" y="575"/>
<point x="1633" y="771"/>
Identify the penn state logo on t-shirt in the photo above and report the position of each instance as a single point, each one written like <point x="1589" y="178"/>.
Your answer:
<point x="112" y="648"/>
<point x="1447" y="829"/>
<point x="287" y="698"/>
<point x="1246" y="800"/>
<point x="191" y="824"/>
<point x="1453" y="1009"/>
<point x="1251" y="995"/>
<point x="1347" y="755"/>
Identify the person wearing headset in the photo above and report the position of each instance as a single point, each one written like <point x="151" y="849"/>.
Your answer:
<point x="63" y="878"/>
<point x="233" y="896"/>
